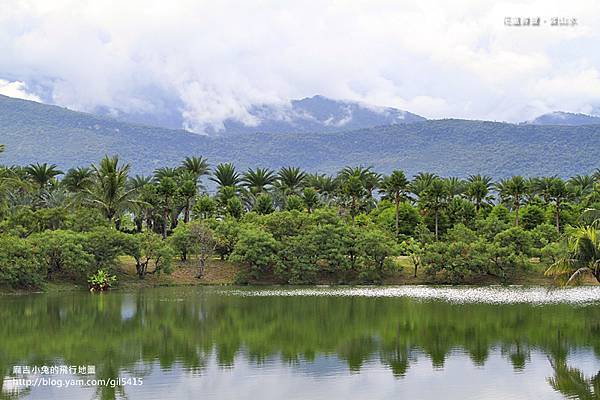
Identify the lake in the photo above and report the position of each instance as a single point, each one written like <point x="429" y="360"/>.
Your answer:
<point x="288" y="343"/>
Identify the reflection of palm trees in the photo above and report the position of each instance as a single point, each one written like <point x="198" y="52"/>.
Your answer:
<point x="572" y="383"/>
<point x="518" y="354"/>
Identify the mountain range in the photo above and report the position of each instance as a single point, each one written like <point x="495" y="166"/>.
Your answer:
<point x="565" y="118"/>
<point x="34" y="132"/>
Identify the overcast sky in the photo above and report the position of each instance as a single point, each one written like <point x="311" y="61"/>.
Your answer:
<point x="211" y="60"/>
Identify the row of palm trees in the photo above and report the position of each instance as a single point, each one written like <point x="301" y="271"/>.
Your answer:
<point x="109" y="187"/>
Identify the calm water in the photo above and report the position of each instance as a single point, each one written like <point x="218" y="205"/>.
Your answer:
<point x="393" y="343"/>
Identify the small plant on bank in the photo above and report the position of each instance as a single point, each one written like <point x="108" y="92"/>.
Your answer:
<point x="101" y="281"/>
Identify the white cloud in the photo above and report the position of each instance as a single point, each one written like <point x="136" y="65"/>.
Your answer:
<point x="16" y="89"/>
<point x="213" y="60"/>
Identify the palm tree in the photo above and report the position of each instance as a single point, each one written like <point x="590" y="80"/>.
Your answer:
<point x="596" y="175"/>
<point x="167" y="189"/>
<point x="325" y="185"/>
<point x="455" y="187"/>
<point x="434" y="200"/>
<point x="165" y="172"/>
<point x="2" y="148"/>
<point x="310" y="198"/>
<point x="354" y="189"/>
<point x="109" y="190"/>
<point x="259" y="180"/>
<point x="290" y="180"/>
<point x="478" y="190"/>
<point x="42" y="174"/>
<point x="582" y="185"/>
<point x="78" y="179"/>
<point x="198" y="166"/>
<point x="395" y="187"/>
<point x="542" y="187"/>
<point x="139" y="181"/>
<point x="558" y="193"/>
<point x="225" y="175"/>
<point x="583" y="255"/>
<point x="188" y="189"/>
<point x="512" y="192"/>
<point x="421" y="182"/>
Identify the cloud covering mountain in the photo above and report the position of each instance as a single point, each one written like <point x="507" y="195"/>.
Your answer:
<point x="204" y="63"/>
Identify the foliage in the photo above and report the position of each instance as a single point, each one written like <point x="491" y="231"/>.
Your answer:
<point x="19" y="263"/>
<point x="150" y="250"/>
<point x="101" y="281"/>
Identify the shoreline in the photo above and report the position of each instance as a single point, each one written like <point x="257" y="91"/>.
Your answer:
<point x="223" y="273"/>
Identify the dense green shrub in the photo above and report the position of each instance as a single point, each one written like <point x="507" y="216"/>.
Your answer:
<point x="20" y="266"/>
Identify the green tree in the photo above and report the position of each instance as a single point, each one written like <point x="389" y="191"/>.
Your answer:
<point x="149" y="250"/>
<point x="259" y="180"/>
<point x="42" y="174"/>
<point x="225" y="175"/>
<point x="256" y="249"/>
<point x="109" y="190"/>
<point x="396" y="187"/>
<point x="512" y="192"/>
<point x="433" y="200"/>
<point x="583" y="256"/>
<point x="478" y="190"/>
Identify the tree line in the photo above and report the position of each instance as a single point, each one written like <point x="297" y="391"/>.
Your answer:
<point x="292" y="226"/>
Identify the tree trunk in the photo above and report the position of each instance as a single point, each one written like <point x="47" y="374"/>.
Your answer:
<point x="164" y="224"/>
<point x="186" y="215"/>
<point x="397" y="215"/>
<point x="436" y="225"/>
<point x="202" y="267"/>
<point x="557" y="216"/>
<point x="517" y="205"/>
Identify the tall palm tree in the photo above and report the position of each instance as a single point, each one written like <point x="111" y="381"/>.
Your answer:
<point x="396" y="187"/>
<point x="512" y="191"/>
<point x="354" y="189"/>
<point x="478" y="190"/>
<point x="109" y="190"/>
<point x="421" y="182"/>
<point x="78" y="179"/>
<point x="434" y="199"/>
<point x="188" y="189"/>
<point x="558" y="193"/>
<point x="259" y="180"/>
<point x="165" y="172"/>
<point x="542" y="186"/>
<point x="225" y="175"/>
<point x="583" y="255"/>
<point x="167" y="189"/>
<point x="455" y="186"/>
<point x="290" y="180"/>
<point x="325" y="185"/>
<point x="596" y="175"/>
<point x="42" y="174"/>
<point x="581" y="184"/>
<point x="198" y="166"/>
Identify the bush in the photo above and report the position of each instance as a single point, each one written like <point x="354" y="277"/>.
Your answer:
<point x="19" y="263"/>
<point x="517" y="239"/>
<point x="532" y="216"/>
<point x="257" y="249"/>
<point x="408" y="219"/>
<point x="64" y="253"/>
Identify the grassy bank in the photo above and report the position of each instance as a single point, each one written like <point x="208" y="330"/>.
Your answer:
<point x="224" y="273"/>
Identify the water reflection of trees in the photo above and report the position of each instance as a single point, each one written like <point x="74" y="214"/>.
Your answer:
<point x="120" y="332"/>
<point x="572" y="383"/>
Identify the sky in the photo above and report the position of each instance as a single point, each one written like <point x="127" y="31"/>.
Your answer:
<point x="207" y="61"/>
